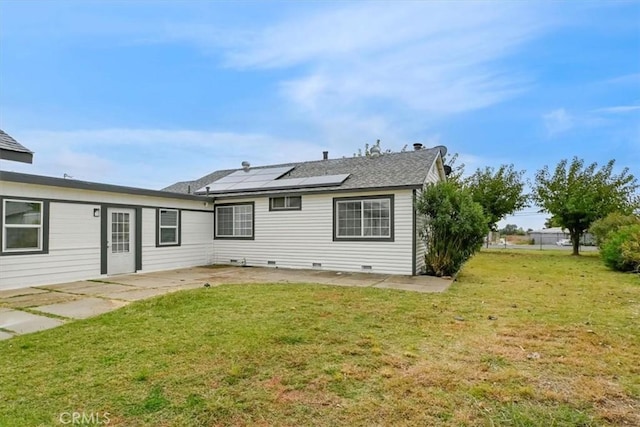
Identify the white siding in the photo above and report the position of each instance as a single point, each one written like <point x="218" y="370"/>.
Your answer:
<point x="196" y="247"/>
<point x="297" y="239"/>
<point x="74" y="250"/>
<point x="74" y="236"/>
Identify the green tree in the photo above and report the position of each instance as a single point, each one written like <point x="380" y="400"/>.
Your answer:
<point x="551" y="222"/>
<point x="454" y="227"/>
<point x="511" y="229"/>
<point x="499" y="192"/>
<point x="456" y="169"/>
<point x="621" y="250"/>
<point x="604" y="227"/>
<point x="576" y="195"/>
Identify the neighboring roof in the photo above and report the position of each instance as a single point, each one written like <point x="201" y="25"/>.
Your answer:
<point x="390" y="170"/>
<point x="94" y="186"/>
<point x="552" y="230"/>
<point x="10" y="149"/>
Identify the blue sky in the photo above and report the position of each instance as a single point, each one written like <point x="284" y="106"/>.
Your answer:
<point x="146" y="93"/>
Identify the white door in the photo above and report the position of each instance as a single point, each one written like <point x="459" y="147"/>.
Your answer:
<point x="121" y="252"/>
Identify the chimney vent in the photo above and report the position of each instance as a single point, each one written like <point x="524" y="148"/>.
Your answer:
<point x="207" y="188"/>
<point x="325" y="155"/>
<point x="246" y="165"/>
<point x="417" y="146"/>
<point x="189" y="189"/>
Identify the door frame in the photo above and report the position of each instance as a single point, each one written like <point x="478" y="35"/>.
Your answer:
<point x="104" y="235"/>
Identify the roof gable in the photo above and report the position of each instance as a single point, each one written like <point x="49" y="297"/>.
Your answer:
<point x="10" y="149"/>
<point x="404" y="169"/>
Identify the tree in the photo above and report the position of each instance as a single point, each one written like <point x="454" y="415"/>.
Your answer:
<point x="512" y="229"/>
<point x="456" y="170"/>
<point x="576" y="195"/>
<point x="551" y="222"/>
<point x="499" y="192"/>
<point x="453" y="229"/>
<point x="603" y="227"/>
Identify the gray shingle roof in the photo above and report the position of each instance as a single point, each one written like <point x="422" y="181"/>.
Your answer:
<point x="404" y="169"/>
<point x="10" y="149"/>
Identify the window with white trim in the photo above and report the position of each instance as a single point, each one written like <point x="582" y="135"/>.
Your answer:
<point x="365" y="218"/>
<point x="22" y="226"/>
<point x="285" y="203"/>
<point x="168" y="227"/>
<point x="234" y="221"/>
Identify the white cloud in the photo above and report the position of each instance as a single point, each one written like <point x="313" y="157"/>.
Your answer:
<point x="558" y="121"/>
<point x="126" y="156"/>
<point x="424" y="56"/>
<point x="620" y="109"/>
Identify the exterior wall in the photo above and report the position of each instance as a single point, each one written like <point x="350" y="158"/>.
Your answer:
<point x="74" y="250"/>
<point x="297" y="239"/>
<point x="75" y="241"/>
<point x="196" y="247"/>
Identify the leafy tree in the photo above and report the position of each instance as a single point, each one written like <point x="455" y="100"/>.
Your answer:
<point x="551" y="222"/>
<point x="457" y="170"/>
<point x="576" y="195"/>
<point x="512" y="229"/>
<point x="454" y="227"/>
<point x="603" y="227"/>
<point x="621" y="250"/>
<point x="499" y="192"/>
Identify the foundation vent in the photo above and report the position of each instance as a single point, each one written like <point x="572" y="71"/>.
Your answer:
<point x="317" y="265"/>
<point x="271" y="263"/>
<point x="367" y="267"/>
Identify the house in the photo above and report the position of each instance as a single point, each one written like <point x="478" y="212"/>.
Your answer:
<point x="553" y="235"/>
<point x="10" y="149"/>
<point x="349" y="214"/>
<point x="346" y="214"/>
<point x="57" y="230"/>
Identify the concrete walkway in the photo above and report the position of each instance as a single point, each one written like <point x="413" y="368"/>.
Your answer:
<point x="38" y="308"/>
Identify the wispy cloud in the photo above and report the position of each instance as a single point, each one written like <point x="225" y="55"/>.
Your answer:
<point x="176" y="154"/>
<point x="620" y="109"/>
<point x="424" y="56"/>
<point x="558" y="121"/>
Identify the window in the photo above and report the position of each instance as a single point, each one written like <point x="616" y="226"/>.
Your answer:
<point x="366" y="218"/>
<point x="234" y="221"/>
<point x="168" y="221"/>
<point x="24" y="226"/>
<point x="286" y="203"/>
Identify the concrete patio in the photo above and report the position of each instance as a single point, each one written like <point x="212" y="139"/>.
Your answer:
<point x="43" y="307"/>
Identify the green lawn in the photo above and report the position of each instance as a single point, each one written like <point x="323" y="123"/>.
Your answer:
<point x="563" y="349"/>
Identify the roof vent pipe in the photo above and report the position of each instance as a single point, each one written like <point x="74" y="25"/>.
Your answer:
<point x="207" y="187"/>
<point x="189" y="189"/>
<point x="325" y="155"/>
<point x="417" y="146"/>
<point x="246" y="166"/>
<point x="375" y="151"/>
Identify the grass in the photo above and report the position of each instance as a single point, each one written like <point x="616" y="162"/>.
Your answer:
<point x="563" y="349"/>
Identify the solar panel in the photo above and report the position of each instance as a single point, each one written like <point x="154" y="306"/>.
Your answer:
<point x="254" y="176"/>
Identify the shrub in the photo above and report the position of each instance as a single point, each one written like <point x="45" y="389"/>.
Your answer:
<point x="621" y="249"/>
<point x="602" y="228"/>
<point x="454" y="227"/>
